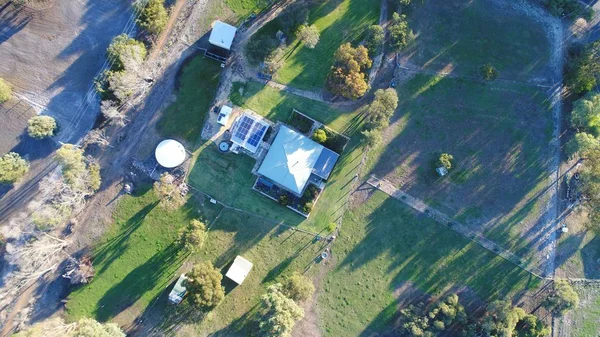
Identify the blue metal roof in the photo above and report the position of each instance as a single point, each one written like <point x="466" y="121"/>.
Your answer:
<point x="325" y="163"/>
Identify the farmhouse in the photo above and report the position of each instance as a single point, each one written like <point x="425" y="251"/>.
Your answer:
<point x="294" y="160"/>
<point x="220" y="40"/>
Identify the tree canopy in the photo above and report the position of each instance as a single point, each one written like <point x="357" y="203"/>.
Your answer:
<point x="297" y="287"/>
<point x="12" y="168"/>
<point x="562" y="298"/>
<point x="278" y="313"/>
<point x="124" y="51"/>
<point x="154" y="17"/>
<point x="375" y="38"/>
<point x="347" y="76"/>
<point x="85" y="327"/>
<point x="5" y="91"/>
<point x="40" y="127"/>
<point x="309" y="35"/>
<point x="80" y="173"/>
<point x="382" y="108"/>
<point x="204" y="286"/>
<point x="445" y="160"/>
<point x="168" y="192"/>
<point x="586" y="114"/>
<point x="400" y="33"/>
<point x="583" y="69"/>
<point x="320" y="136"/>
<point x="192" y="237"/>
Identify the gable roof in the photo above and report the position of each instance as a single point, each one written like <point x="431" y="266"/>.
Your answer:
<point x="222" y="35"/>
<point x="291" y="160"/>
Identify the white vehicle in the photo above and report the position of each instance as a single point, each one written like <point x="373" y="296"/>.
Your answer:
<point x="178" y="292"/>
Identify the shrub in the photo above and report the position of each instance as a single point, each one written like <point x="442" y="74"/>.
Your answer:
<point x="331" y="227"/>
<point x="154" y="17"/>
<point x="488" y="72"/>
<point x="277" y="313"/>
<point x="40" y="127"/>
<point x="297" y="287"/>
<point x="375" y="38"/>
<point x="284" y="200"/>
<point x="562" y="299"/>
<point x="5" y="91"/>
<point x="445" y="160"/>
<point x="203" y="284"/>
<point x="309" y="35"/>
<point x="400" y="34"/>
<point x="192" y="237"/>
<point x="12" y="168"/>
<point x="320" y="136"/>
<point x="307" y="208"/>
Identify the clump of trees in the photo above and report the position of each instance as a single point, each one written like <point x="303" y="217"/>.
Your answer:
<point x="378" y="114"/>
<point x="153" y="16"/>
<point x="375" y="39"/>
<point x="583" y="67"/>
<point x="277" y="313"/>
<point x="40" y="127"/>
<point x="423" y="320"/>
<point x="12" y="168"/>
<point x="348" y="74"/>
<point x="400" y="33"/>
<point x="488" y="72"/>
<point x="5" y="91"/>
<point x="204" y="287"/>
<point x="111" y="112"/>
<point x="309" y="35"/>
<point x="85" y="327"/>
<point x="562" y="298"/>
<point x="297" y="287"/>
<point x="320" y="136"/>
<point x="586" y="114"/>
<point x="169" y="193"/>
<point x="445" y="160"/>
<point x="568" y="8"/>
<point x="193" y="236"/>
<point x="80" y="172"/>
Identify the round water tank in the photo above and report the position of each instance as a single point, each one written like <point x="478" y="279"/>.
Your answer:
<point x="170" y="153"/>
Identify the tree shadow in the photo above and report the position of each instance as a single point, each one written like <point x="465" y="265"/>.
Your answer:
<point x="13" y="19"/>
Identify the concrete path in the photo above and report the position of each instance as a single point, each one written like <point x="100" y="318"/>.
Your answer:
<point x="421" y="207"/>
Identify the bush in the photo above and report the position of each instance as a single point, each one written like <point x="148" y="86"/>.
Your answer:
<point x="277" y="313"/>
<point x="192" y="237"/>
<point x="400" y="34"/>
<point x="5" y="91"/>
<point x="284" y="200"/>
<point x="203" y="284"/>
<point x="309" y="35"/>
<point x="320" y="136"/>
<point x="154" y="17"/>
<point x="375" y="39"/>
<point x="331" y="227"/>
<point x="307" y="208"/>
<point x="445" y="160"/>
<point x="297" y="287"/>
<point x="562" y="299"/>
<point x="41" y="127"/>
<point x="488" y="72"/>
<point x="12" y="168"/>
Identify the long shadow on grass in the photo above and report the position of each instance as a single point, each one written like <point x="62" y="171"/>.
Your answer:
<point x="137" y="283"/>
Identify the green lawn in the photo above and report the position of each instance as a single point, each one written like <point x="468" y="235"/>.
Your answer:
<point x="498" y="134"/>
<point x="196" y="86"/>
<point x="583" y="321"/>
<point x="135" y="260"/>
<point x="338" y="22"/>
<point x="243" y="8"/>
<point x="383" y="246"/>
<point x="463" y="35"/>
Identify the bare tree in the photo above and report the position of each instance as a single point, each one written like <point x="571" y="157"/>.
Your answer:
<point x="110" y="110"/>
<point x="98" y="137"/>
<point x="79" y="271"/>
<point x="39" y="256"/>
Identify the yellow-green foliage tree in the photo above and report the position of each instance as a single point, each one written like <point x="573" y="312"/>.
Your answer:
<point x="204" y="286"/>
<point x="192" y="237"/>
<point x="12" y="168"/>
<point x="154" y="17"/>
<point x="277" y="313"/>
<point x="347" y="77"/>
<point x="168" y="192"/>
<point x="40" y="127"/>
<point x="297" y="287"/>
<point x="5" y="91"/>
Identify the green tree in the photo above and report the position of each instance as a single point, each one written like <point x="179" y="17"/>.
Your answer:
<point x="309" y="35"/>
<point x="297" y="287"/>
<point x="168" y="192"/>
<point x="82" y="174"/>
<point x="85" y="327"/>
<point x="88" y="327"/>
<point x="275" y="60"/>
<point x="400" y="33"/>
<point x="445" y="160"/>
<point x="488" y="72"/>
<point x="583" y="69"/>
<point x="581" y="144"/>
<point x="40" y="127"/>
<point x="347" y="77"/>
<point x="568" y="8"/>
<point x="153" y="16"/>
<point x="372" y="137"/>
<point x="193" y="236"/>
<point x="203" y="284"/>
<point x="125" y="52"/>
<point x="586" y="114"/>
<point x="12" y="168"/>
<point x="5" y="91"/>
<point x="278" y="313"/>
<point x="320" y="136"/>
<point x="259" y="47"/>
<point x="590" y="187"/>
<point x="562" y="298"/>
<point x="375" y="38"/>
<point x="382" y="108"/>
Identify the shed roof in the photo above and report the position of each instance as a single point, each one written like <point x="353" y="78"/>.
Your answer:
<point x="239" y="270"/>
<point x="222" y="35"/>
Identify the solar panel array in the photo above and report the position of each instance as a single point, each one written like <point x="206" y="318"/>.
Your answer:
<point x="256" y="135"/>
<point x="243" y="128"/>
<point x="248" y="132"/>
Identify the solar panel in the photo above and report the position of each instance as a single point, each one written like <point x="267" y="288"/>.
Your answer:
<point x="242" y="130"/>
<point x="256" y="134"/>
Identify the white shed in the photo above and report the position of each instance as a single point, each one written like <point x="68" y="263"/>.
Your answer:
<point x="222" y="35"/>
<point x="239" y="270"/>
<point x="224" y="114"/>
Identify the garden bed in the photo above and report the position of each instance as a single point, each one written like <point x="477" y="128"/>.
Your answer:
<point x="301" y="205"/>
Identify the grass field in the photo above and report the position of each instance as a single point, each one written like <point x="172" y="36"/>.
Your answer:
<point x="583" y="321"/>
<point x="183" y="120"/>
<point x="463" y="35"/>
<point x="136" y="259"/>
<point x="243" y="8"/>
<point x="338" y="22"/>
<point x="384" y="246"/>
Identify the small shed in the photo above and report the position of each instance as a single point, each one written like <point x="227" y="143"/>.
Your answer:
<point x="239" y="270"/>
<point x="222" y="35"/>
<point x="178" y="292"/>
<point x="224" y="114"/>
<point x="442" y="171"/>
<point x="170" y="153"/>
